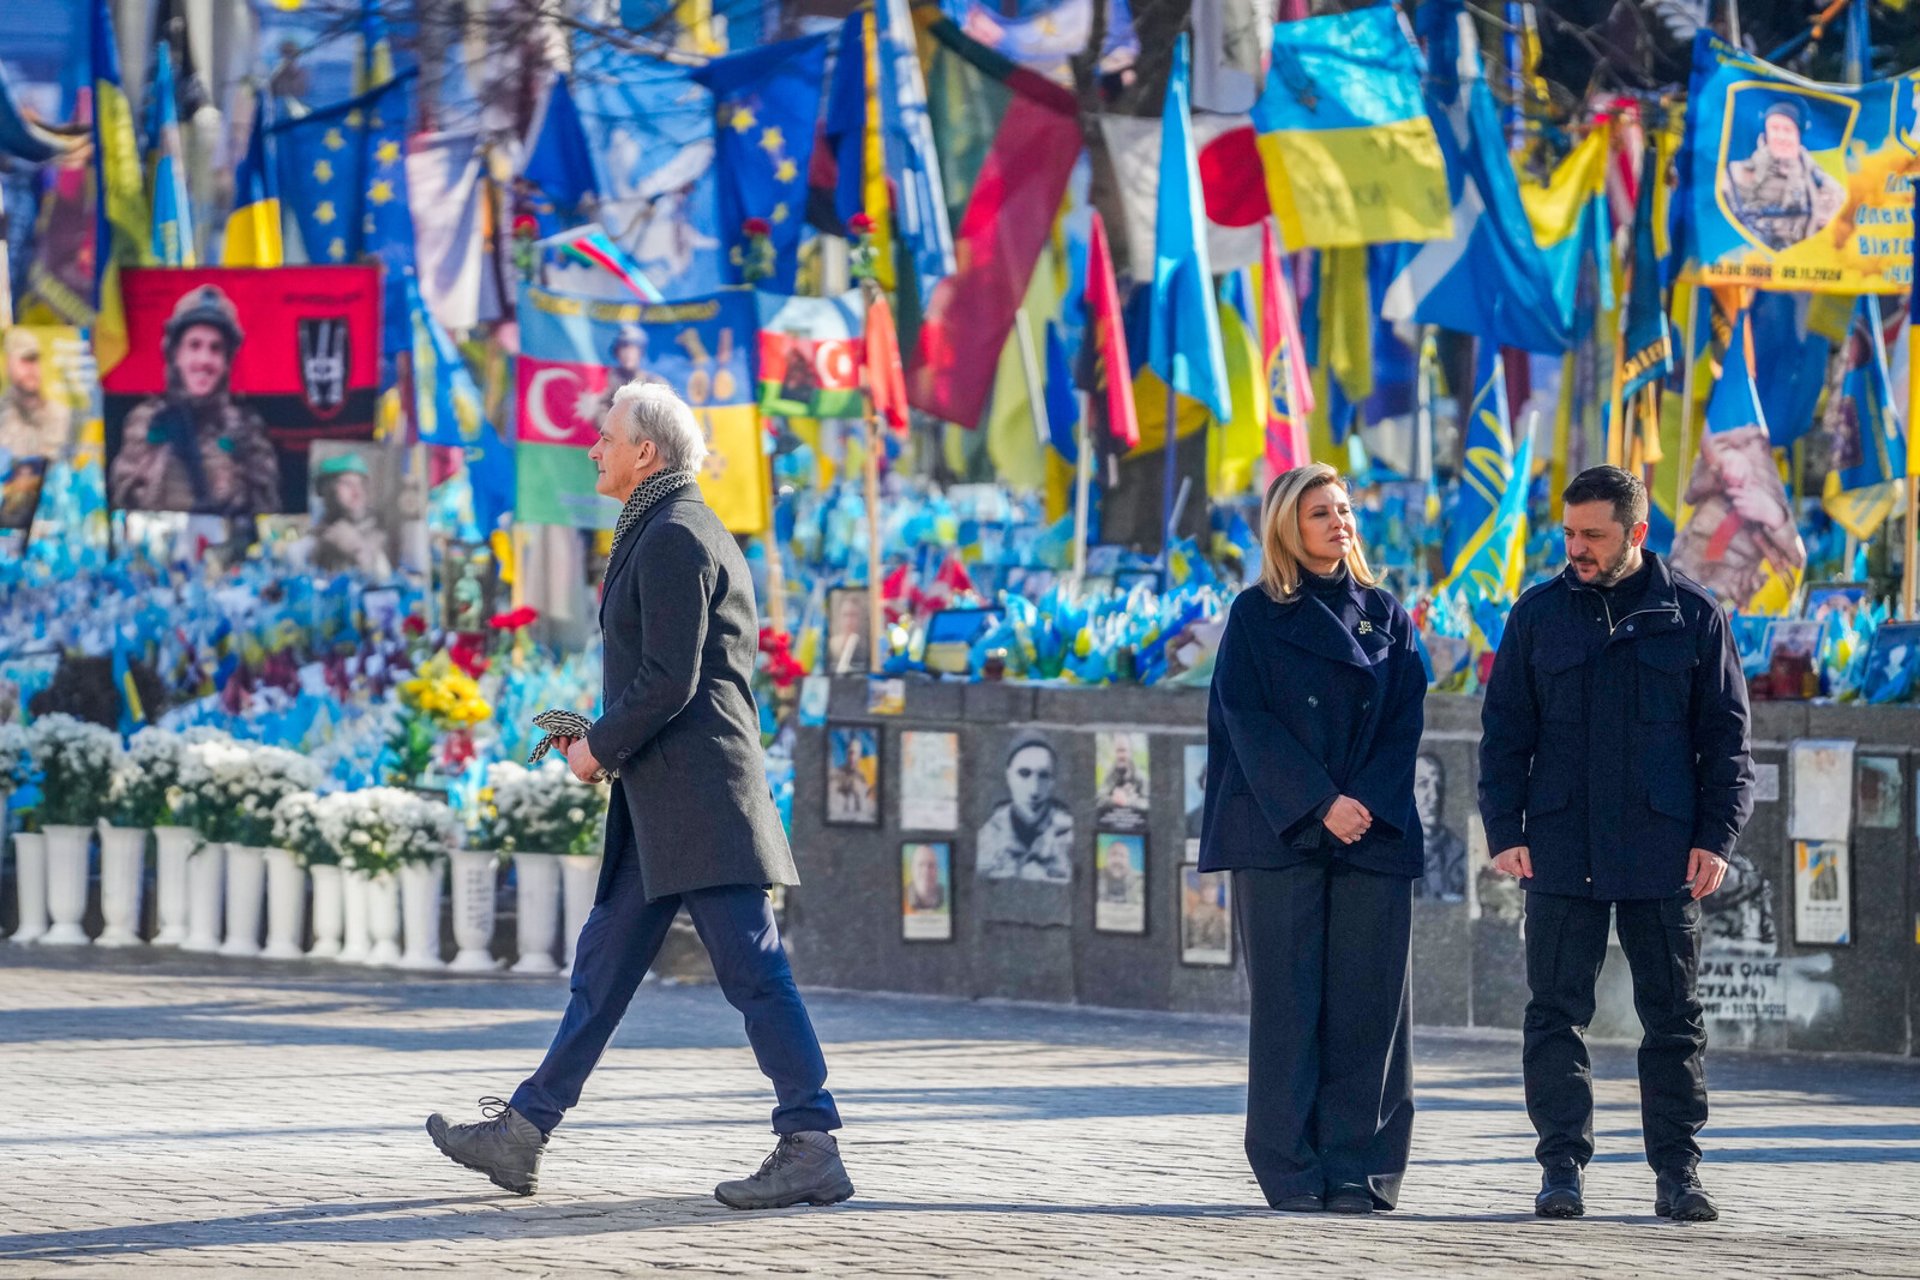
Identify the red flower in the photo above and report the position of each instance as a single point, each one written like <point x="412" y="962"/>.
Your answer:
<point x="524" y="616"/>
<point x="757" y="227"/>
<point x="414" y="625"/>
<point x="860" y="224"/>
<point x="466" y="653"/>
<point x="526" y="225"/>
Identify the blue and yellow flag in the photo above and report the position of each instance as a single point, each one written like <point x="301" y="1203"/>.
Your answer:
<point x="344" y="170"/>
<point x="1183" y="333"/>
<point x="1488" y="579"/>
<point x="1647" y="355"/>
<point x="450" y="411"/>
<point x="1489" y="465"/>
<point x="1870" y="449"/>
<point x="765" y="104"/>
<point x="1349" y="150"/>
<point x="253" y="228"/>
<point x="122" y="226"/>
<point x="167" y="169"/>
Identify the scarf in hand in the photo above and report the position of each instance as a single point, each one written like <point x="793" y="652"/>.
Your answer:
<point x="641" y="500"/>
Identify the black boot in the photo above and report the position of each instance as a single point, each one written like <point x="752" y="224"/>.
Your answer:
<point x="1677" y="1194"/>
<point x="1560" y="1188"/>
<point x="505" y="1146"/>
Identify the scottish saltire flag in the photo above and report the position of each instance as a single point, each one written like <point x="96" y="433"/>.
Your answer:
<point x="253" y="228"/>
<point x="1487" y="465"/>
<point x="343" y="169"/>
<point x="122" y="227"/>
<point x="1490" y="277"/>
<point x="559" y="163"/>
<point x="765" y="104"/>
<point x="1183" y="336"/>
<point x="1349" y="151"/>
<point x="172" y="243"/>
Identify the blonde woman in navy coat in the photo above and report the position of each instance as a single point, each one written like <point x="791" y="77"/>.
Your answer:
<point x="1312" y="730"/>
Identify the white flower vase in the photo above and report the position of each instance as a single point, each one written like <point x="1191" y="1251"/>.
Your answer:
<point x="328" y="904"/>
<point x="30" y="884"/>
<point x="537" y="910"/>
<point x="123" y="881"/>
<point x="579" y="877"/>
<point x="174" y="846"/>
<point x="246" y="895"/>
<point x="286" y="905"/>
<point x="475" y="877"/>
<point x="420" y="913"/>
<point x="383" y="919"/>
<point x="205" y="880"/>
<point x="69" y="850"/>
<point x="355" y="942"/>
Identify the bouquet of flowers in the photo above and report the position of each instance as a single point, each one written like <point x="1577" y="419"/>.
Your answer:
<point x="297" y="828"/>
<point x="380" y="828"/>
<point x="76" y="760"/>
<point x="230" y="790"/>
<point x="442" y="698"/>
<point x="16" y="758"/>
<point x="146" y="785"/>
<point x="541" y="810"/>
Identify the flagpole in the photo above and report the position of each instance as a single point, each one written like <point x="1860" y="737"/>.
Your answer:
<point x="1036" y="388"/>
<point x="870" y="468"/>
<point x="1684" y="464"/>
<point x="1166" y="486"/>
<point x="1082" y="486"/>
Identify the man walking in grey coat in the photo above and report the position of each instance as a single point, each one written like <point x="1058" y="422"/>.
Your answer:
<point x="691" y="821"/>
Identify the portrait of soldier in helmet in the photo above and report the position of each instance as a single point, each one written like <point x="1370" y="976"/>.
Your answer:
<point x="35" y="421"/>
<point x="348" y="537"/>
<point x="194" y="447"/>
<point x="1778" y="193"/>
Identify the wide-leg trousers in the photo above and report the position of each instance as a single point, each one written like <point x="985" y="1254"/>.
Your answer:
<point x="1330" y="1060"/>
<point x="618" y="944"/>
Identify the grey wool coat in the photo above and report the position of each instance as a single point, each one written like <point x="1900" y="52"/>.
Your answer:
<point x="679" y="722"/>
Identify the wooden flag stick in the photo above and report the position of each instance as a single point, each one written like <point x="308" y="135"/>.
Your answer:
<point x="1082" y="487"/>
<point x="1683" y="465"/>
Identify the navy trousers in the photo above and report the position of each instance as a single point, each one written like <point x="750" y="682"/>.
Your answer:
<point x="617" y="945"/>
<point x="1330" y="1078"/>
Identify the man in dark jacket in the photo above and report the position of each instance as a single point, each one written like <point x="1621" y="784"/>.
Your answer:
<point x="692" y="822"/>
<point x="1615" y="778"/>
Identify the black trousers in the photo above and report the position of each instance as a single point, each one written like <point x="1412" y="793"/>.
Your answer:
<point x="1566" y="944"/>
<point x="1330" y="1063"/>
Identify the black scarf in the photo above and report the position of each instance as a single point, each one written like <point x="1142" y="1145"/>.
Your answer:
<point x="641" y="500"/>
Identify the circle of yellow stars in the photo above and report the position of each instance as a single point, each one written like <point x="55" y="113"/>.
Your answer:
<point x="382" y="185"/>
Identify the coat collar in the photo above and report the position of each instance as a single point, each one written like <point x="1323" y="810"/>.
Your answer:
<point x="1310" y="624"/>
<point x="1659" y="607"/>
<point x="624" y="551"/>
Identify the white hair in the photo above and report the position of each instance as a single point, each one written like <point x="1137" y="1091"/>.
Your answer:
<point x="651" y="410"/>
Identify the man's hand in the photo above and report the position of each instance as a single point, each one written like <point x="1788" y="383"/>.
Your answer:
<point x="1515" y="862"/>
<point x="1348" y="819"/>
<point x="1705" y="871"/>
<point x="580" y="760"/>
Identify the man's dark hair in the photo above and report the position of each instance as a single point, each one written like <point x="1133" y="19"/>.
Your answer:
<point x="1623" y="489"/>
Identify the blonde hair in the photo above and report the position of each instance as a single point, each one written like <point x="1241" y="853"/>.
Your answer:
<point x="1282" y="550"/>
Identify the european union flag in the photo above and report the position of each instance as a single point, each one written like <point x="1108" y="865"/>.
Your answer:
<point x="765" y="102"/>
<point x="344" y="170"/>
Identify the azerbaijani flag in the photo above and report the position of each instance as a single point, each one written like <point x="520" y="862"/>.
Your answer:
<point x="810" y="354"/>
<point x="121" y="221"/>
<point x="253" y="228"/>
<point x="1349" y="150"/>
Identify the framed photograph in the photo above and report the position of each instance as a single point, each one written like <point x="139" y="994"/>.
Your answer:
<point x="21" y="480"/>
<point x="1892" y="662"/>
<point x="1028" y="835"/>
<point x="929" y="781"/>
<point x="1822" y="894"/>
<point x="1791" y="663"/>
<point x="1206" y="918"/>
<point x="1121" y="783"/>
<point x="847" y="626"/>
<point x="853" y="775"/>
<point x="1877" y="798"/>
<point x="926" y="891"/>
<point x="472" y="587"/>
<point x="1119" y="883"/>
<point x="951" y="635"/>
<point x="814" y="694"/>
<point x="1825" y="599"/>
<point x="360" y="500"/>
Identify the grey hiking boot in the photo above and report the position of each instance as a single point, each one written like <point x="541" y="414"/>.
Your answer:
<point x="804" y="1168"/>
<point x="505" y="1146"/>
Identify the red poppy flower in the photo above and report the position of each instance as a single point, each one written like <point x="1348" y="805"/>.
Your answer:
<point x="414" y="625"/>
<point x="860" y="224"/>
<point x="526" y="225"/>
<point x="757" y="227"/>
<point x="526" y="615"/>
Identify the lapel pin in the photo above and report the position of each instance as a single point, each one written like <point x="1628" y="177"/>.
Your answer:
<point x="1365" y="628"/>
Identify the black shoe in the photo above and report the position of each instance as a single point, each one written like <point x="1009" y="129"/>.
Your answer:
<point x="1306" y="1202"/>
<point x="1679" y="1195"/>
<point x="804" y="1168"/>
<point x="505" y="1146"/>
<point x="1560" y="1188"/>
<point x="1349" y="1198"/>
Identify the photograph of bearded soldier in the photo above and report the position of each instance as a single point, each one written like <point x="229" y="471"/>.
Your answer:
<point x="32" y="423"/>
<point x="1778" y="193"/>
<point x="194" y="448"/>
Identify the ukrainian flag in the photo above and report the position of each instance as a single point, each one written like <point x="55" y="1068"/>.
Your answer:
<point x="1349" y="150"/>
<point x="121" y="221"/>
<point x="172" y="239"/>
<point x="253" y="228"/>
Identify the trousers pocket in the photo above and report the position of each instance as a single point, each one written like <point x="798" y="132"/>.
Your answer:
<point x="1680" y="920"/>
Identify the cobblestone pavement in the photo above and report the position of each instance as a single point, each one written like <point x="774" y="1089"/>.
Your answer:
<point x="167" y="1114"/>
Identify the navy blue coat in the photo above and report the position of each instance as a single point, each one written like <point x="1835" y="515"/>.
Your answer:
<point x="1310" y="703"/>
<point x="1611" y="745"/>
